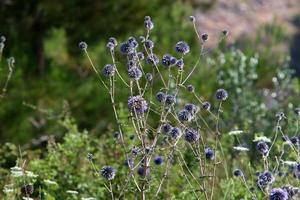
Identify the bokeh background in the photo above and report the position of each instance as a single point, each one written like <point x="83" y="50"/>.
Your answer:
<point x="51" y="71"/>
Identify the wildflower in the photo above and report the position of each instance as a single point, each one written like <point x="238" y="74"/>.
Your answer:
<point x="83" y="46"/>
<point x="135" y="150"/>
<point x="148" y="24"/>
<point x="149" y="44"/>
<point x="190" y="88"/>
<point x="132" y="56"/>
<point x="278" y="194"/>
<point x="180" y="64"/>
<point x="134" y="73"/>
<point x="158" y="160"/>
<point x="170" y="100"/>
<point x="27" y="189"/>
<point x="192" y="108"/>
<point x="209" y="154"/>
<point x="191" y="135"/>
<point x="168" y="60"/>
<point x="149" y="77"/>
<point x="262" y="147"/>
<point x="126" y="47"/>
<point x="221" y="94"/>
<point x="130" y="64"/>
<point x="110" y="46"/>
<point x="108" y="172"/>
<point x="140" y="55"/>
<point x="132" y="42"/>
<point x="184" y="116"/>
<point x="113" y="41"/>
<point x="204" y="37"/>
<point x="160" y="97"/>
<point x="294" y="140"/>
<point x="264" y="179"/>
<point x="142" y="171"/>
<point x="166" y="128"/>
<point x="116" y="135"/>
<point x="109" y="70"/>
<point x="175" y="132"/>
<point x="182" y="47"/>
<point x="152" y="59"/>
<point x="137" y="104"/>
<point x="237" y="172"/>
<point x="206" y="105"/>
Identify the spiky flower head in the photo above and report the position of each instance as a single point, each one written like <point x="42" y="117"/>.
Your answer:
<point x="108" y="172"/>
<point x="149" y="44"/>
<point x="209" y="154"/>
<point x="184" y="116"/>
<point x="137" y="104"/>
<point x="109" y="70"/>
<point x="192" y="108"/>
<point x="149" y="77"/>
<point x="221" y="94"/>
<point x="166" y="128"/>
<point x="148" y="24"/>
<point x="82" y="45"/>
<point x="191" y="135"/>
<point x="134" y="73"/>
<point x="278" y="194"/>
<point x="190" y="88"/>
<point x="206" y="105"/>
<point x="175" y="133"/>
<point x="170" y="100"/>
<point x="182" y="47"/>
<point x="142" y="171"/>
<point x="152" y="59"/>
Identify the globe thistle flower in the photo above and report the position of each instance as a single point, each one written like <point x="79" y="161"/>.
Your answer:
<point x="125" y="48"/>
<point x="204" y="37"/>
<point x="135" y="150"/>
<point x="191" y="135"/>
<point x="180" y="64"/>
<point x="166" y="128"/>
<point x="170" y="99"/>
<point x="142" y="171"/>
<point x="209" y="154"/>
<point x="148" y="24"/>
<point x="132" y="42"/>
<point x="166" y="60"/>
<point x="262" y="147"/>
<point x="158" y="160"/>
<point x="129" y="163"/>
<point x="190" y="88"/>
<point x="137" y="104"/>
<point x="206" y="105"/>
<point x="110" y="46"/>
<point x="297" y="111"/>
<point x="221" y="95"/>
<point x="134" y="73"/>
<point x="175" y="133"/>
<point x="109" y="70"/>
<point x="182" y="47"/>
<point x="152" y="59"/>
<point x="140" y="55"/>
<point x="149" y="44"/>
<point x="278" y="194"/>
<point x="113" y="40"/>
<point x="264" y="179"/>
<point x="237" y="172"/>
<point x="191" y="108"/>
<point x="131" y="64"/>
<point x="160" y="97"/>
<point x="294" y="140"/>
<point x="27" y="189"/>
<point x="132" y="56"/>
<point x="184" y="116"/>
<point x="149" y="77"/>
<point x="108" y="172"/>
<point x="83" y="46"/>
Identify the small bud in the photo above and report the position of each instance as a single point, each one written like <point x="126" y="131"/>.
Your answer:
<point x="204" y="37"/>
<point x="192" y="19"/>
<point x="83" y="45"/>
<point x="225" y="32"/>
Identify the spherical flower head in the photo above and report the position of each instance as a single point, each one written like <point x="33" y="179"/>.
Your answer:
<point x="294" y="140"/>
<point x="83" y="46"/>
<point x="135" y="150"/>
<point x="132" y="56"/>
<point x="158" y="160"/>
<point x="278" y="194"/>
<point x="109" y="70"/>
<point x="204" y="37"/>
<point x="166" y="128"/>
<point x="132" y="42"/>
<point x="209" y="154"/>
<point x="27" y="189"/>
<point x="206" y="105"/>
<point x="166" y="60"/>
<point x="134" y="73"/>
<point x="160" y="97"/>
<point x="170" y="100"/>
<point x="297" y="111"/>
<point x="108" y="173"/>
<point x="141" y="55"/>
<point x="152" y="59"/>
<point x="191" y="135"/>
<point x="190" y="88"/>
<point x="149" y="44"/>
<point x="184" y="116"/>
<point x="131" y="64"/>
<point x="180" y="64"/>
<point x="149" y="77"/>
<point x="175" y="133"/>
<point x="110" y="46"/>
<point x="267" y="177"/>
<point x="237" y="172"/>
<point x="125" y="48"/>
<point x="192" y="18"/>
<point x="142" y="171"/>
<point x="262" y="147"/>
<point x="221" y="94"/>
<point x="192" y="108"/>
<point x="148" y="24"/>
<point x="182" y="47"/>
<point x="137" y="105"/>
<point x="113" y="40"/>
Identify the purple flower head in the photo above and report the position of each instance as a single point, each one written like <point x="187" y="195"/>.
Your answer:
<point x="278" y="194"/>
<point x="149" y="77"/>
<point x="184" y="116"/>
<point x="180" y="64"/>
<point x="209" y="154"/>
<point x="170" y="100"/>
<point x="152" y="59"/>
<point x="191" y="135"/>
<point x="149" y="44"/>
<point x="190" y="88"/>
<point x="262" y="147"/>
<point x="134" y="73"/>
<point x="83" y="46"/>
<point x="108" y="172"/>
<point x="141" y="55"/>
<point x="166" y="128"/>
<point x="141" y="171"/>
<point x="175" y="133"/>
<point x="182" y="47"/>
<point x="158" y="160"/>
<point x="148" y="24"/>
<point x="221" y="94"/>
<point x="109" y="70"/>
<point x="192" y="108"/>
<point x="206" y="105"/>
<point x="237" y="172"/>
<point x="161" y="97"/>
<point x="137" y="104"/>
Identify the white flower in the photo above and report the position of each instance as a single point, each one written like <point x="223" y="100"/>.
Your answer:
<point x="290" y="163"/>
<point x="261" y="138"/>
<point x="236" y="132"/>
<point x="47" y="181"/>
<point x="71" y="192"/>
<point x="88" y="198"/>
<point x="240" y="148"/>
